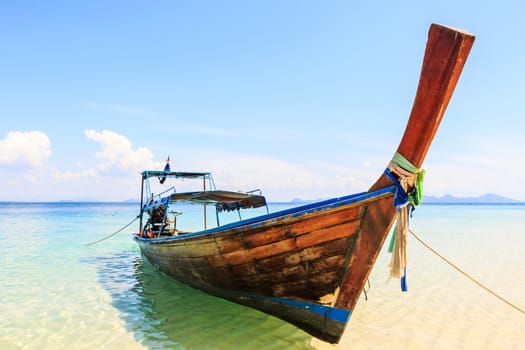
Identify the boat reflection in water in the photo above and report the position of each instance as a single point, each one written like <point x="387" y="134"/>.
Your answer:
<point x="163" y="313"/>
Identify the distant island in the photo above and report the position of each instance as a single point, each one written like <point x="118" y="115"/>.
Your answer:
<point x="489" y="198"/>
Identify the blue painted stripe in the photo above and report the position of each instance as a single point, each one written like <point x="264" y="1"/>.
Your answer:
<point x="294" y="212"/>
<point x="333" y="313"/>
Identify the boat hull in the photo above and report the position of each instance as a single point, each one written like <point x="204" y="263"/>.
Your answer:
<point x="284" y="264"/>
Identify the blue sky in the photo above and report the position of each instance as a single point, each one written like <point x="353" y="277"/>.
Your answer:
<point x="303" y="99"/>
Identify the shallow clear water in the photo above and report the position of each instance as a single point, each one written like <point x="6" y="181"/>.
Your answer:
<point x="57" y="293"/>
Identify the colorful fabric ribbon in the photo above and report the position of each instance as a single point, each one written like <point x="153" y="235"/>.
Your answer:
<point x="408" y="180"/>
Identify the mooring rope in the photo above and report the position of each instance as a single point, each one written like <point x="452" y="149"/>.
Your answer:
<point x="114" y="233"/>
<point x="426" y="245"/>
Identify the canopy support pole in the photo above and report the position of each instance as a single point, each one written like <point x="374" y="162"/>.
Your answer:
<point x="204" y="187"/>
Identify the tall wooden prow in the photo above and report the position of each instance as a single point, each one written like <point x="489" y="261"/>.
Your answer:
<point x="445" y="55"/>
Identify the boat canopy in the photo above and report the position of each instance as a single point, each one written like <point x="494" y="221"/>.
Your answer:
<point x="222" y="200"/>
<point x="175" y="174"/>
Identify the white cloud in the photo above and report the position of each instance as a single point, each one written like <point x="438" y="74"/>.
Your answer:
<point x="117" y="152"/>
<point x="29" y="148"/>
<point x="112" y="176"/>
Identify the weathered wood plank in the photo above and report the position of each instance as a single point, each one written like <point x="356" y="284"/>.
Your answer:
<point x="230" y="243"/>
<point x="310" y="290"/>
<point x="185" y="249"/>
<point x="287" y="245"/>
<point x="328" y="234"/>
<point x="286" y="229"/>
<point x="253" y="277"/>
<point x="330" y="248"/>
<point x="298" y="227"/>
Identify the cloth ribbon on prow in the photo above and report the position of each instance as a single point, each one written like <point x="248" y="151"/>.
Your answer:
<point x="409" y="192"/>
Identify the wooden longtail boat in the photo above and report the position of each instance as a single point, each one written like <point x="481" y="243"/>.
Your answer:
<point x="307" y="265"/>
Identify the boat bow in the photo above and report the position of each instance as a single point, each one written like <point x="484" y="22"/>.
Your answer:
<point x="445" y="56"/>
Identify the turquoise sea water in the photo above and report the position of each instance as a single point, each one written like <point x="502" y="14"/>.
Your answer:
<point x="56" y="293"/>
